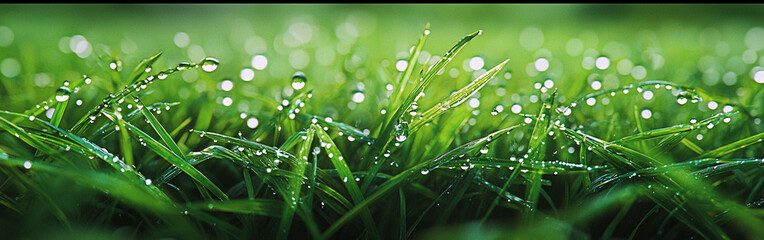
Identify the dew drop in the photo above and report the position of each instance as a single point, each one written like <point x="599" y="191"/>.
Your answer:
<point x="62" y="94"/>
<point x="210" y="64"/>
<point x="358" y="96"/>
<point x="252" y="122"/>
<point x="299" y="80"/>
<point x="401" y="131"/>
<point x="183" y="66"/>
<point x="484" y="150"/>
<point x="27" y="164"/>
<point x="646" y="113"/>
<point x="591" y="101"/>
<point x="226" y="85"/>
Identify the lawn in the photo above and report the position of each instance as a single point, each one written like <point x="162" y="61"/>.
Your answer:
<point x="381" y="121"/>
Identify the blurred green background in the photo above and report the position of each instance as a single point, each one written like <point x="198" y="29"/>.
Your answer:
<point x="337" y="44"/>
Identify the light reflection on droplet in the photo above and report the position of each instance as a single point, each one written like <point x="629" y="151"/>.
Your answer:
<point x="358" y="97"/>
<point x="541" y="64"/>
<point x="759" y="76"/>
<point x="247" y="74"/>
<point x="591" y="101"/>
<point x="252" y="122"/>
<point x="712" y="105"/>
<point x="602" y="63"/>
<point x="476" y="63"/>
<point x="226" y="85"/>
<point x="647" y="95"/>
<point x="227" y="101"/>
<point x="596" y="85"/>
<point x="646" y="113"/>
<point x="259" y="62"/>
<point x="401" y="65"/>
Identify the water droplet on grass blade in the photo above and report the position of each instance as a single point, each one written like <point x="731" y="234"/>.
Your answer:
<point x="183" y="66"/>
<point x="299" y="80"/>
<point x="62" y="94"/>
<point x="484" y="150"/>
<point x="401" y="131"/>
<point x="28" y="165"/>
<point x="210" y="64"/>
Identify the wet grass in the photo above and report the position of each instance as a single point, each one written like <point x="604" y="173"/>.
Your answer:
<point x="625" y="143"/>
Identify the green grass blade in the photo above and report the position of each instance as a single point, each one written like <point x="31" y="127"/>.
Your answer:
<point x="729" y="148"/>
<point x="384" y="137"/>
<point x="295" y="185"/>
<point x="456" y="98"/>
<point x="163" y="134"/>
<point x="346" y="175"/>
<point x="413" y="173"/>
<point x="263" y="207"/>
<point x="140" y="70"/>
<point x="176" y="160"/>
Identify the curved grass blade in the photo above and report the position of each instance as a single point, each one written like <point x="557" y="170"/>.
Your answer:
<point x="456" y="98"/>
<point x="384" y="137"/>
<point x="295" y="185"/>
<point x="163" y="134"/>
<point x="93" y="114"/>
<point x="729" y="148"/>
<point x="109" y="127"/>
<point x="347" y="176"/>
<point x="674" y="129"/>
<point x="403" y="78"/>
<point x="142" y="68"/>
<point x="413" y="173"/>
<point x="176" y="160"/>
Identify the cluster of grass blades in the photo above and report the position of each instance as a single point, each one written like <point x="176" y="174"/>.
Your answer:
<point x="300" y="174"/>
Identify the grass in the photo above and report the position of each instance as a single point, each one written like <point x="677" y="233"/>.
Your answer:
<point x="453" y="136"/>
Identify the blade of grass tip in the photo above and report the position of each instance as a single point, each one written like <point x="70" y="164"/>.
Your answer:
<point x="143" y="67"/>
<point x="674" y="129"/>
<point x="457" y="98"/>
<point x="537" y="152"/>
<point x="176" y="160"/>
<point x="347" y="177"/>
<point x="384" y="137"/>
<point x="413" y="173"/>
<point x="403" y="78"/>
<point x="295" y="185"/>
<point x="163" y="134"/>
<point x="45" y="104"/>
<point x="93" y="114"/>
